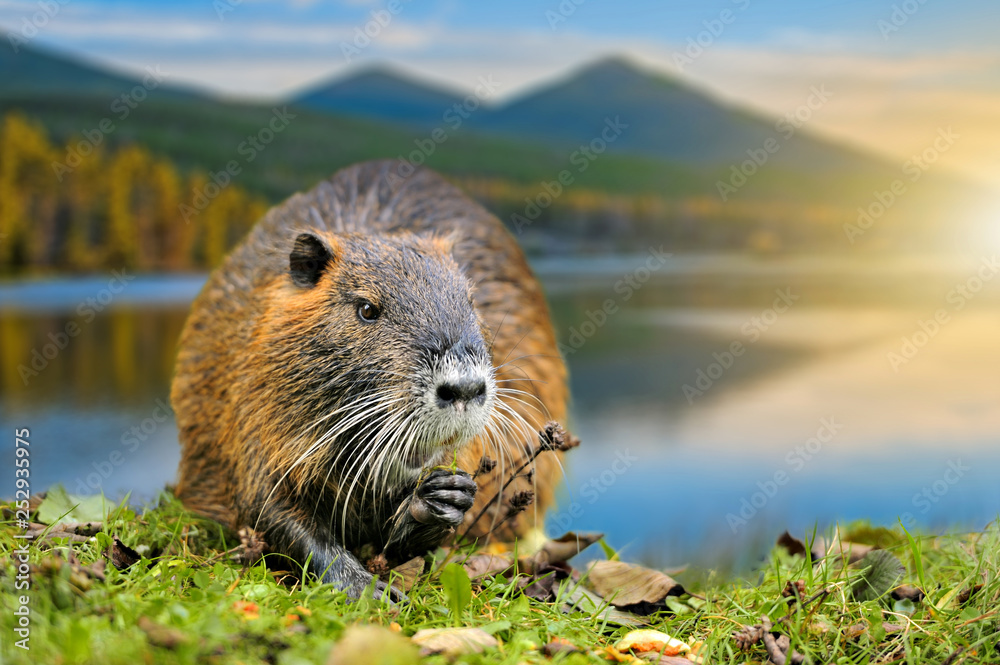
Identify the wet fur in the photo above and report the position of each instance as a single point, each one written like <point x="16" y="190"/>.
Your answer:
<point x="272" y="376"/>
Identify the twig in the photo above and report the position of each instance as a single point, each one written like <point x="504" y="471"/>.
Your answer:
<point x="551" y="437"/>
<point x="954" y="654"/>
<point x="774" y="652"/>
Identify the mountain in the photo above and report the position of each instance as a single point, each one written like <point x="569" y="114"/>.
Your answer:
<point x="35" y="72"/>
<point x="678" y="147"/>
<point x="666" y="119"/>
<point x="662" y="118"/>
<point x="380" y="94"/>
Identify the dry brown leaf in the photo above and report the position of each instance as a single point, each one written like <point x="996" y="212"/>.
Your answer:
<point x="121" y="555"/>
<point x="405" y="575"/>
<point x="624" y="584"/>
<point x="560" y="549"/>
<point x="452" y="642"/>
<point x="850" y="552"/>
<point x="480" y="565"/>
<point x="372" y="644"/>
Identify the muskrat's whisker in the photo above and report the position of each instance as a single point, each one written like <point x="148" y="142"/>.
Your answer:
<point x="511" y="349"/>
<point x="497" y="331"/>
<point x="347" y="408"/>
<point x="372" y="448"/>
<point x="504" y="415"/>
<point x="510" y="392"/>
<point x="362" y="413"/>
<point x="356" y="412"/>
<point x="527" y="355"/>
<point x="523" y="378"/>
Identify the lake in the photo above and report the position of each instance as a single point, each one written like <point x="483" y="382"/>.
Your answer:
<point x="720" y="399"/>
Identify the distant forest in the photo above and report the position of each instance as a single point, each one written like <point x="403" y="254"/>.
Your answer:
<point x="122" y="206"/>
<point x="120" y="209"/>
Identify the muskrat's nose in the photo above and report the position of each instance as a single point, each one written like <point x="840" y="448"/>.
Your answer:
<point x="461" y="391"/>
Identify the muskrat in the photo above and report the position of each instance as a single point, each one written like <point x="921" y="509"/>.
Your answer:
<point x="367" y="345"/>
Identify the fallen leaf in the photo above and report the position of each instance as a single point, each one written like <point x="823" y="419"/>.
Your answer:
<point x="821" y="548"/>
<point x="638" y="641"/>
<point x="626" y="584"/>
<point x="372" y="644"/>
<point x="405" y="575"/>
<point x="580" y="599"/>
<point x="452" y="642"/>
<point x="967" y="593"/>
<point x="481" y="565"/>
<point x="617" y="656"/>
<point x="121" y="555"/>
<point x="560" y="549"/>
<point x="60" y="506"/>
<point x="544" y="584"/>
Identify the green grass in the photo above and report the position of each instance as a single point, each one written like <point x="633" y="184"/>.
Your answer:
<point x="185" y="593"/>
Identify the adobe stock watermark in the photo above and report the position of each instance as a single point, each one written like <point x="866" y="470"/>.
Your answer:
<point x="714" y="28"/>
<point x="130" y="440"/>
<point x="958" y="297"/>
<point x="121" y="107"/>
<point x="592" y="489"/>
<point x="223" y="7"/>
<point x="581" y="158"/>
<point x="59" y="340"/>
<point x="752" y="331"/>
<point x="931" y="494"/>
<point x="452" y="118"/>
<point x="19" y="555"/>
<point x="624" y="287"/>
<point x="35" y="22"/>
<point x="795" y="460"/>
<point x="248" y="148"/>
<point x="786" y="127"/>
<point x="562" y="12"/>
<point x="913" y="168"/>
<point x="899" y="17"/>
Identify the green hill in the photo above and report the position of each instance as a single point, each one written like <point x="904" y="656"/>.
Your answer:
<point x="380" y="94"/>
<point x="806" y="181"/>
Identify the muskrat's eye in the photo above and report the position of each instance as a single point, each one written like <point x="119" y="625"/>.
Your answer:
<point x="368" y="312"/>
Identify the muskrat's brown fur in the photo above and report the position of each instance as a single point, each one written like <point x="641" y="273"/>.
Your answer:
<point x="276" y="347"/>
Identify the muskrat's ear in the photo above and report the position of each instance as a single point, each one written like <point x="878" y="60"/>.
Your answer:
<point x="309" y="258"/>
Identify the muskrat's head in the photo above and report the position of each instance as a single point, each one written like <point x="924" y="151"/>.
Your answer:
<point x="385" y="355"/>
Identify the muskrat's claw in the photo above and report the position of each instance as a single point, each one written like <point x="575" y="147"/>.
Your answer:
<point x="389" y="594"/>
<point x="443" y="496"/>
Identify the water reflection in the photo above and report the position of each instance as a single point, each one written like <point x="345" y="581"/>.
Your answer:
<point x="672" y="475"/>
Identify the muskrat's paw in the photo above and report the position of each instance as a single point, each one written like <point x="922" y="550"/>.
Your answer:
<point x="389" y="594"/>
<point x="443" y="496"/>
<point x="379" y="591"/>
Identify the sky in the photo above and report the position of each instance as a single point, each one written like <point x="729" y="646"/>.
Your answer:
<point x="896" y="72"/>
